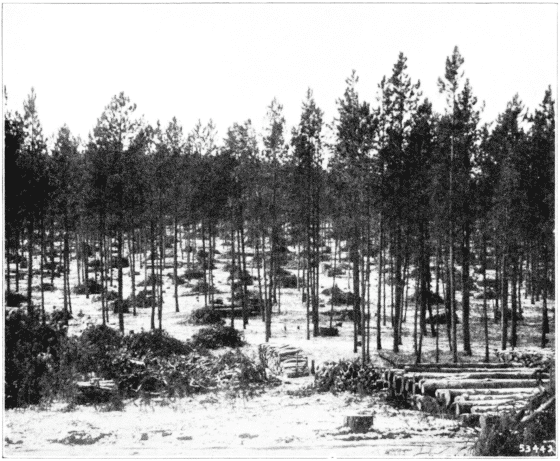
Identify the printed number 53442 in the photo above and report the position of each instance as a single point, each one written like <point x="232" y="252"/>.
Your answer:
<point x="535" y="449"/>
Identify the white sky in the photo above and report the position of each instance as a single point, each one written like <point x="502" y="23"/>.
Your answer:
<point x="227" y="62"/>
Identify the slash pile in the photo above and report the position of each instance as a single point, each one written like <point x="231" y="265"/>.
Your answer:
<point x="528" y="357"/>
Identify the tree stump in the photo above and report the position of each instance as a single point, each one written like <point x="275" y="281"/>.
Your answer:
<point x="358" y="423"/>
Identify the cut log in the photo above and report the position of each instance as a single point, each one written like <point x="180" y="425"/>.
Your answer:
<point x="300" y="360"/>
<point x="416" y="370"/>
<point x="478" y="375"/>
<point x="430" y="386"/>
<point x="466" y="407"/>
<point x="447" y="396"/>
<point x="358" y="423"/>
<point x="484" y="398"/>
<point x="423" y="366"/>
<point x="495" y="410"/>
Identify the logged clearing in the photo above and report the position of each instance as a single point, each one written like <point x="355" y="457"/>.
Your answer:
<point x="284" y="421"/>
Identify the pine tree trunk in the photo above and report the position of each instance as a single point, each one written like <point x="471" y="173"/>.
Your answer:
<point x="452" y="304"/>
<point x="232" y="272"/>
<point x="42" y="269"/>
<point x="368" y="287"/>
<point x="18" y="247"/>
<point x="379" y="283"/>
<point x="392" y="280"/>
<point x="204" y="267"/>
<point x="17" y="261"/>
<point x="175" y="262"/>
<point x="244" y="262"/>
<point x="438" y="272"/>
<point x="51" y="244"/>
<point x="161" y="264"/>
<point x="333" y="284"/>
<point x="239" y="269"/>
<point x="265" y="284"/>
<point x="132" y="253"/>
<point x="415" y="331"/>
<point x="424" y="286"/>
<point x="514" y="302"/>
<point x="384" y="288"/>
<point x="268" y="299"/>
<point x="79" y="255"/>
<point x="398" y="290"/>
<point x="102" y="275"/>
<point x="533" y="277"/>
<point x="120" y="300"/>
<point x="67" y="254"/>
<point x="466" y="292"/>
<point x="30" y="231"/>
<point x="504" y="301"/>
<point x="497" y="259"/>
<point x="308" y="278"/>
<point x="484" y="302"/>
<point x="361" y="325"/>
<point x="153" y="260"/>
<point x="258" y="259"/>
<point x="7" y="254"/>
<point x="86" y="273"/>
<point x="355" y="257"/>
<point x="545" y="325"/>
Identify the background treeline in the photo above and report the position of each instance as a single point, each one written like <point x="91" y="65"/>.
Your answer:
<point x="420" y="197"/>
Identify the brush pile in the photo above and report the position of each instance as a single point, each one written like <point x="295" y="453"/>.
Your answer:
<point x="528" y="357"/>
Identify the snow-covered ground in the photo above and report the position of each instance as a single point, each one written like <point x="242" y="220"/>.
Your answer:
<point x="275" y="424"/>
<point x="272" y="425"/>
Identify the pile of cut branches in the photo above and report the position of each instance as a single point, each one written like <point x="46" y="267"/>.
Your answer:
<point x="529" y="357"/>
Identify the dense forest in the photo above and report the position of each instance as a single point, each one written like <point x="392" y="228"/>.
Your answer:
<point x="421" y="197"/>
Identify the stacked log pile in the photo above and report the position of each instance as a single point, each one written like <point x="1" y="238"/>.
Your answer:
<point x="347" y="375"/>
<point x="284" y="360"/>
<point x="95" y="390"/>
<point x="464" y="388"/>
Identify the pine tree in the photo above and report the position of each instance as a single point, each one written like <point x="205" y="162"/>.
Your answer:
<point x="399" y="105"/>
<point x="450" y="85"/>
<point x="306" y="141"/>
<point x="112" y="137"/>
<point x="354" y="129"/>
<point x="539" y="187"/>
<point x="66" y="172"/>
<point x="14" y="190"/>
<point x="274" y="154"/>
<point x="32" y="177"/>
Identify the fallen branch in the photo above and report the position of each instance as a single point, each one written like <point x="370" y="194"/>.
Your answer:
<point x="387" y="359"/>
